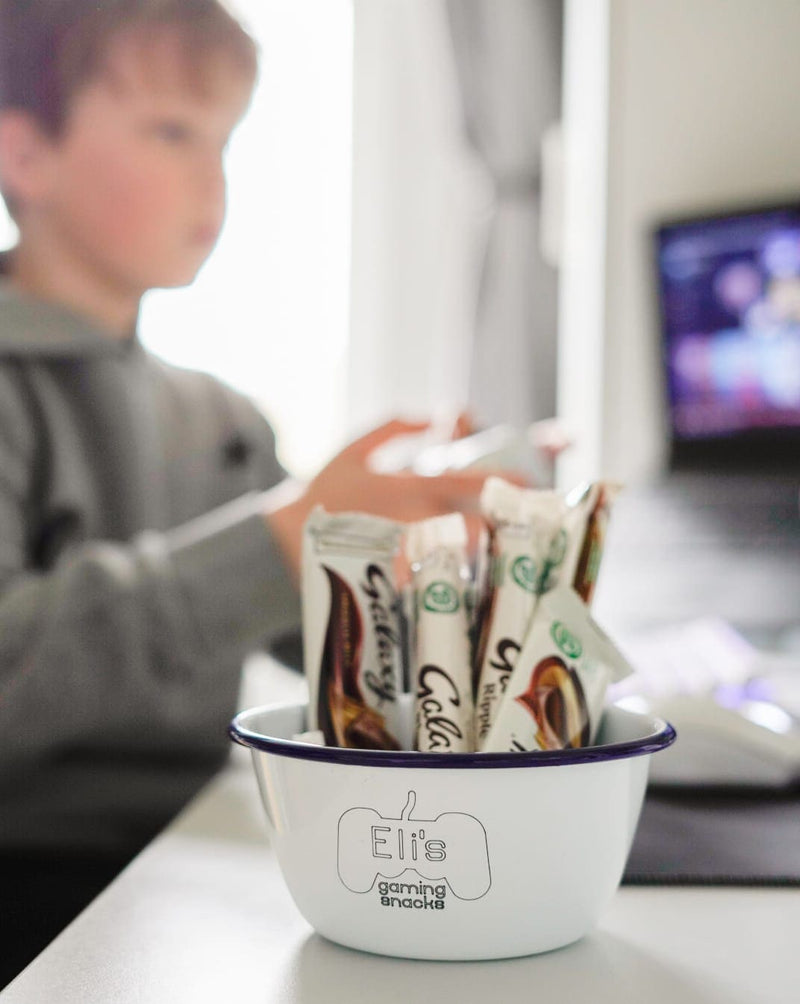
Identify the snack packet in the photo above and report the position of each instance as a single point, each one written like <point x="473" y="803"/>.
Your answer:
<point x="556" y="693"/>
<point x="578" y="546"/>
<point x="441" y="677"/>
<point x="352" y="635"/>
<point x="522" y="525"/>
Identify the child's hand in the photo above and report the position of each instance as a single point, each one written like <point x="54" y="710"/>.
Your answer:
<point x="348" y="484"/>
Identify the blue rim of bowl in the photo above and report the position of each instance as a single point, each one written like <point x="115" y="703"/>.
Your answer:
<point x="662" y="736"/>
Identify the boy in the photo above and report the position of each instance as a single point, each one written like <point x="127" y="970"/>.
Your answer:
<point x="141" y="552"/>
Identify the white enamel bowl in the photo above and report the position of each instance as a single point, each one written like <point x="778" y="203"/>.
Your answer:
<point x="451" y="856"/>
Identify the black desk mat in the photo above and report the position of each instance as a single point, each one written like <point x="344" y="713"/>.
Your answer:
<point x="717" y="837"/>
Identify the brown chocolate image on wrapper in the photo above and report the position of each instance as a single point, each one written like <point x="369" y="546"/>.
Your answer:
<point x="556" y="700"/>
<point x="343" y="715"/>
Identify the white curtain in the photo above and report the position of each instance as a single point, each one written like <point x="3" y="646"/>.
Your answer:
<point x="451" y="303"/>
<point x="508" y="55"/>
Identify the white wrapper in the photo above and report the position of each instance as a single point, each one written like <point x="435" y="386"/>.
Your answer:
<point x="556" y="694"/>
<point x="523" y="523"/>
<point x="578" y="548"/>
<point x="441" y="676"/>
<point x="352" y="636"/>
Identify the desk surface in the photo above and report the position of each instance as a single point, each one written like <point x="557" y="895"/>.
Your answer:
<point x="203" y="915"/>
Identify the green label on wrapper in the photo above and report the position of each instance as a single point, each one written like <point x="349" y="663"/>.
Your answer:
<point x="566" y="640"/>
<point x="558" y="549"/>
<point x="523" y="572"/>
<point x="441" y="598"/>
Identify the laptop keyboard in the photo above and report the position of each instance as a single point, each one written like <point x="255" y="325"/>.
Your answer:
<point x="683" y="549"/>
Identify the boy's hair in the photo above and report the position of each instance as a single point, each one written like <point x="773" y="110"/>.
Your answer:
<point x="50" y="48"/>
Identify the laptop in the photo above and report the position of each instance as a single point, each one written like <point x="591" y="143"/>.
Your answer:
<point x="718" y="534"/>
<point x="728" y="295"/>
<point x="701" y="583"/>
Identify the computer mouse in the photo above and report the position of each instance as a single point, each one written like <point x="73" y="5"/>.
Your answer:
<point x="730" y="737"/>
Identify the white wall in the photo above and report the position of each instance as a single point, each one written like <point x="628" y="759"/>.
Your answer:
<point x="699" y="109"/>
<point x="582" y="284"/>
<point x="420" y="211"/>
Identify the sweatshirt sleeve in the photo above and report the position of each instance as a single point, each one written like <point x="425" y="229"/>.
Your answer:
<point x="124" y="644"/>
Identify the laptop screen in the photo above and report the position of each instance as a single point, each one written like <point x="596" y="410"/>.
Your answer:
<point x="729" y="293"/>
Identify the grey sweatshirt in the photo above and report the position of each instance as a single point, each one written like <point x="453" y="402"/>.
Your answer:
<point x="136" y="571"/>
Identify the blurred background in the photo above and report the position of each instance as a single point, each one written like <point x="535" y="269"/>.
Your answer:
<point x="437" y="205"/>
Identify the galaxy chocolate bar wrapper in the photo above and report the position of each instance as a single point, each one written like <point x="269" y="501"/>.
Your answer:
<point x="556" y="694"/>
<point x="441" y="674"/>
<point x="352" y="629"/>
<point x="522" y="527"/>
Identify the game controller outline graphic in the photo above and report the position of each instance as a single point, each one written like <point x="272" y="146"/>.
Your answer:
<point x="465" y="851"/>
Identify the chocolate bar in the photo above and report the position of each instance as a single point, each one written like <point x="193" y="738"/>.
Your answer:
<point x="441" y="672"/>
<point x="352" y="634"/>
<point x="522" y="527"/>
<point x="556" y="693"/>
<point x="582" y="539"/>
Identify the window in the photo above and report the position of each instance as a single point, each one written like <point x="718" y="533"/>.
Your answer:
<point x="269" y="311"/>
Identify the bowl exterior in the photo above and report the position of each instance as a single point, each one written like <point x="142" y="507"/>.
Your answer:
<point x="451" y="864"/>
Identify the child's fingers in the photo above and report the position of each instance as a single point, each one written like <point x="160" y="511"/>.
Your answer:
<point x="452" y="492"/>
<point x="364" y="445"/>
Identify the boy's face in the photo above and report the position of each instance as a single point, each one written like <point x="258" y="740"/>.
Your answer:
<point x="135" y="190"/>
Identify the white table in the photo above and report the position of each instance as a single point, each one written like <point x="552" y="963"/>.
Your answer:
<point x="203" y="915"/>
